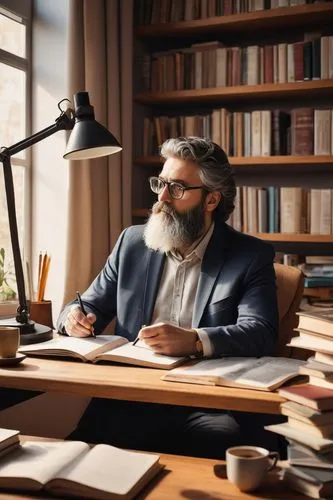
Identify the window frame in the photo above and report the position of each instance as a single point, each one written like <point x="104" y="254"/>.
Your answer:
<point x="21" y="10"/>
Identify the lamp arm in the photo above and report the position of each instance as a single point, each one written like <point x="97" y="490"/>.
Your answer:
<point x="64" y="122"/>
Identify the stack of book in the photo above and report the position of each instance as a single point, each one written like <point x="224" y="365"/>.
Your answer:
<point x="309" y="408"/>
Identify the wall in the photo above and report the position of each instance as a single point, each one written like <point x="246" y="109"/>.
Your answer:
<point x="44" y="415"/>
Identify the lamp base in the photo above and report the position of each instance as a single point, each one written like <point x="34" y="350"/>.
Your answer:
<point x="34" y="333"/>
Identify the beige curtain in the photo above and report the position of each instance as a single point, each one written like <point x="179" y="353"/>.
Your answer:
<point x="100" y="62"/>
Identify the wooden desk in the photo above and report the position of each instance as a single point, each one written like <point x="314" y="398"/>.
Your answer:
<point x="194" y="478"/>
<point x="130" y="383"/>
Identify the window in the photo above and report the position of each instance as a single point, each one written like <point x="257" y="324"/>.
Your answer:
<point x="14" y="126"/>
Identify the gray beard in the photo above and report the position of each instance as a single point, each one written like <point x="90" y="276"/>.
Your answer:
<point x="168" y="230"/>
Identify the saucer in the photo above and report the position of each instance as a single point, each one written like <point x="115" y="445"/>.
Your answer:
<point x="12" y="361"/>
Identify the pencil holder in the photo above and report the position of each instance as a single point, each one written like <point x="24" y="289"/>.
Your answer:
<point x="41" y="312"/>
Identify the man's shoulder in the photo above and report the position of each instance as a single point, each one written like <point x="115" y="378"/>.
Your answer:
<point x="133" y="234"/>
<point x="246" y="241"/>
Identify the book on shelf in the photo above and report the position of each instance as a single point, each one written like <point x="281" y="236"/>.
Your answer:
<point x="318" y="398"/>
<point x="305" y="414"/>
<point x="73" y="468"/>
<point x="264" y="374"/>
<point x="112" y="348"/>
<point x="320" y="321"/>
<point x="9" y="440"/>
<point x="316" y="443"/>
<point x="312" y="481"/>
<point x="302" y="455"/>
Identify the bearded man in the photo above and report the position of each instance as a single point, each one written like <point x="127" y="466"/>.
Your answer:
<point x="201" y="288"/>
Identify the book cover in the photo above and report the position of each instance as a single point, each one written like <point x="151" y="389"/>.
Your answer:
<point x="318" y="398"/>
<point x="302" y="455"/>
<point x="306" y="414"/>
<point x="316" y="443"/>
<point x="317" y="320"/>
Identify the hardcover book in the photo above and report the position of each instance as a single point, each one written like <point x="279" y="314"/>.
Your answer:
<point x="72" y="468"/>
<point x="306" y="414"/>
<point x="317" y="320"/>
<point x="264" y="374"/>
<point x="318" y="398"/>
<point x="111" y="348"/>
<point x="316" y="443"/>
<point x="312" y="481"/>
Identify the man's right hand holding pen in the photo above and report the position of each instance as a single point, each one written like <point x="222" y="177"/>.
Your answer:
<point x="79" y="323"/>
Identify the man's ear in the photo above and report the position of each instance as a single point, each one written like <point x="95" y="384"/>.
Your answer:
<point x="212" y="200"/>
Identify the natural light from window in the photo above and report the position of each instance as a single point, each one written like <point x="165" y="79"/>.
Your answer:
<point x="13" y="106"/>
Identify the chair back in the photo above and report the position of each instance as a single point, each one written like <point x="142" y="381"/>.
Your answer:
<point x="290" y="286"/>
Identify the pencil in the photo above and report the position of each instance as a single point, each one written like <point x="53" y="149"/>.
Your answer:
<point x="84" y="311"/>
<point x="138" y="338"/>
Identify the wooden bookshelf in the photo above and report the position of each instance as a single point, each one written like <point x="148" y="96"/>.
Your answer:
<point x="274" y="237"/>
<point x="259" y="28"/>
<point x="242" y="161"/>
<point x="226" y="95"/>
<point x="297" y="17"/>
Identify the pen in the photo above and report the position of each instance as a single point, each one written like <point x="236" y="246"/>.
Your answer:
<point x="84" y="311"/>
<point x="137" y="339"/>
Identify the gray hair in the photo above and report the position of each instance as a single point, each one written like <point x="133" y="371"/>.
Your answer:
<point x="216" y="173"/>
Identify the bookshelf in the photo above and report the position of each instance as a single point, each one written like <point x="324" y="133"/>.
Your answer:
<point x="278" y="25"/>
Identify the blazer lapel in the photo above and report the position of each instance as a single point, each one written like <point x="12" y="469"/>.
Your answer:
<point x="211" y="266"/>
<point x="154" y="271"/>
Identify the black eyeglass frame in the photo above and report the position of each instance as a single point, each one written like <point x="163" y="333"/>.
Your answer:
<point x="169" y="183"/>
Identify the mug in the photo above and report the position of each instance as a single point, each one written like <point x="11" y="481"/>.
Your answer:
<point x="9" y="341"/>
<point x="247" y="466"/>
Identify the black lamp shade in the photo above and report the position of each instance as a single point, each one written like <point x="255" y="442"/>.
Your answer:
<point x="88" y="139"/>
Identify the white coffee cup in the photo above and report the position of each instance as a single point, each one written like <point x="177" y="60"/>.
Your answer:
<point x="247" y="466"/>
<point x="9" y="341"/>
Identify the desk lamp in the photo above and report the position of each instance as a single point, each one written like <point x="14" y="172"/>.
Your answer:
<point x="88" y="139"/>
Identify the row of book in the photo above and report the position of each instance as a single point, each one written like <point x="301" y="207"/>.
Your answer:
<point x="210" y="64"/>
<point x="283" y="210"/>
<point x="300" y="131"/>
<point x="166" y="11"/>
<point x="309" y="408"/>
<point x="317" y="270"/>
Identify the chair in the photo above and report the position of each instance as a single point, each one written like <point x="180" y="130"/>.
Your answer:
<point x="290" y="286"/>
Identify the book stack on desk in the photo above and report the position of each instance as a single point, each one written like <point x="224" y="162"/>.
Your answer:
<point x="309" y="431"/>
<point x="309" y="409"/>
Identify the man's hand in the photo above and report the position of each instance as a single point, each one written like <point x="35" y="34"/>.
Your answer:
<point x="77" y="324"/>
<point x="170" y="340"/>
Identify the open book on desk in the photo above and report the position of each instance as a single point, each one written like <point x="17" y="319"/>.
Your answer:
<point x="265" y="373"/>
<point x="72" y="468"/>
<point x="102" y="348"/>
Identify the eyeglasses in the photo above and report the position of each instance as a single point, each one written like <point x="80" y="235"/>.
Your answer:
<point x="175" y="189"/>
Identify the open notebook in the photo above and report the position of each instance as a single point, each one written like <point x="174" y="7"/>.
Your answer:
<point x="102" y="348"/>
<point x="72" y="468"/>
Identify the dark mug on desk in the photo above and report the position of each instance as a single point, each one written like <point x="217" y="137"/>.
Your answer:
<point x="9" y="341"/>
<point x="247" y="466"/>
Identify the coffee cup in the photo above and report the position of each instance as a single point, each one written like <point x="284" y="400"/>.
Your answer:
<point x="9" y="341"/>
<point x="247" y="466"/>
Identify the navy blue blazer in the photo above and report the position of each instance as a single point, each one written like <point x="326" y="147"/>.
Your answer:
<point x="235" y="301"/>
